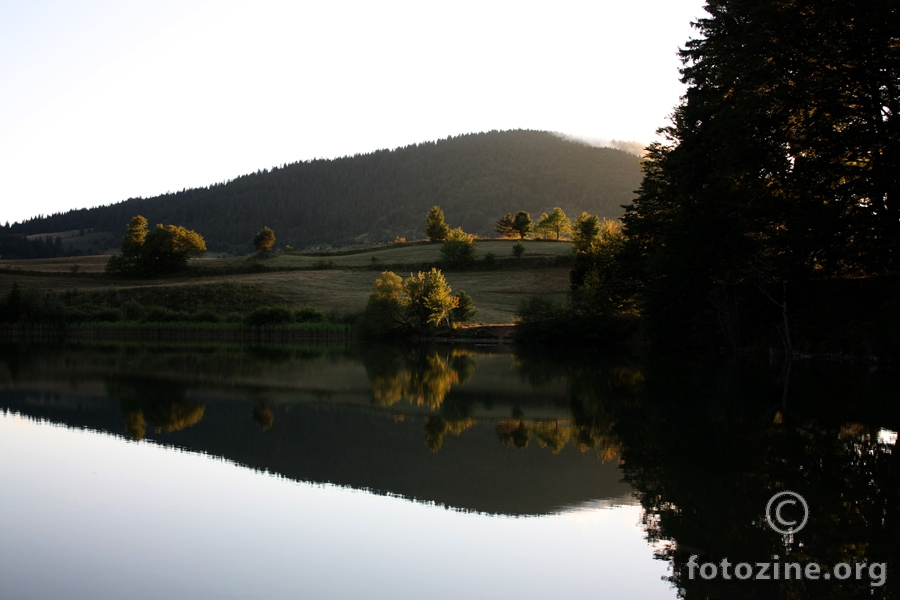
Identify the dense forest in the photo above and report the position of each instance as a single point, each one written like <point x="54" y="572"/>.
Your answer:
<point x="769" y="216"/>
<point x="377" y="197"/>
<point x="18" y="246"/>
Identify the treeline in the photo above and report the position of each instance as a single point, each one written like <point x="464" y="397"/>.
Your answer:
<point x="768" y="220"/>
<point x="13" y="246"/>
<point x="380" y="196"/>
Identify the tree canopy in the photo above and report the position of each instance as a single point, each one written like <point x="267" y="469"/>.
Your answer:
<point x="163" y="250"/>
<point x="780" y="164"/>
<point x="506" y="226"/>
<point x="595" y="279"/>
<point x="522" y="224"/>
<point x="458" y="249"/>
<point x="436" y="230"/>
<point x="554" y="225"/>
<point x="417" y="305"/>
<point x="264" y="240"/>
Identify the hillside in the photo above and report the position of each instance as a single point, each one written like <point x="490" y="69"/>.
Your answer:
<point x="376" y="197"/>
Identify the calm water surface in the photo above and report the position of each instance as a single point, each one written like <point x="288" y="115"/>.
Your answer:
<point x="136" y="471"/>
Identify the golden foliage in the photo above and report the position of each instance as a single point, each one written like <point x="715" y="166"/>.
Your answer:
<point x="422" y="384"/>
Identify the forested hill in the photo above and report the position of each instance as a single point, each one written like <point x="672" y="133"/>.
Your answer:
<point x="376" y="197"/>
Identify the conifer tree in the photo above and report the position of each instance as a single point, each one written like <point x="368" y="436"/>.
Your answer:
<point x="436" y="230"/>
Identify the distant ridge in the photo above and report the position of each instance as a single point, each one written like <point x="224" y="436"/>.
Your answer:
<point x="375" y="197"/>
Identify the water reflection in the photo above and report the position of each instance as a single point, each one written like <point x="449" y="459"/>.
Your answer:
<point x="421" y="376"/>
<point x="161" y="403"/>
<point x="707" y="445"/>
<point x="702" y="445"/>
<point x="432" y="424"/>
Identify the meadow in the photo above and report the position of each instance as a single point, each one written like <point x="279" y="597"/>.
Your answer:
<point x="334" y="282"/>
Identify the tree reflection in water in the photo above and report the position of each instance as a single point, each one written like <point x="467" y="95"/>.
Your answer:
<point x="161" y="403"/>
<point x="424" y="377"/>
<point x="263" y="415"/>
<point x="706" y="446"/>
<point x="420" y="376"/>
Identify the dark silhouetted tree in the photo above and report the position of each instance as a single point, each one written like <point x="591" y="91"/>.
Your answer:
<point x="505" y="226"/>
<point x="464" y="310"/>
<point x="780" y="164"/>
<point x="522" y="224"/>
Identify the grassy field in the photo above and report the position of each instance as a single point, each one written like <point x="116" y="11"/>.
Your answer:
<point x="496" y="293"/>
<point x="79" y="264"/>
<point x="419" y="253"/>
<point x="338" y="285"/>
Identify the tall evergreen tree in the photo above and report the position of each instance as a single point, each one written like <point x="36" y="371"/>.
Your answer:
<point x="780" y="162"/>
<point x="505" y="226"/>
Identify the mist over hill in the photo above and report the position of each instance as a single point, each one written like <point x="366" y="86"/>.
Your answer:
<point x="370" y="198"/>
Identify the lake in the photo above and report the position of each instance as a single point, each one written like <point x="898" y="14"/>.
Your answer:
<point x="355" y="471"/>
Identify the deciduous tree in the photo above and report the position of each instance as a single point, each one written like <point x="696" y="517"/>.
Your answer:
<point x="458" y="250"/>
<point x="163" y="250"/>
<point x="595" y="279"/>
<point x="429" y="300"/>
<point x="586" y="232"/>
<point x="416" y="305"/>
<point x="132" y="242"/>
<point x="264" y="240"/>
<point x="554" y="225"/>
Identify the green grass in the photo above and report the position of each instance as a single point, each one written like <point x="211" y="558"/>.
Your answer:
<point x="414" y="254"/>
<point x="297" y="280"/>
<point x="496" y="293"/>
<point x="79" y="264"/>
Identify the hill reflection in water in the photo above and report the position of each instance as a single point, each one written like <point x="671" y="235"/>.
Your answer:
<point x="470" y="431"/>
<point x="700" y="445"/>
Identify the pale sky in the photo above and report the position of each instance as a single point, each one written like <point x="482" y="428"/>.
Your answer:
<point x="105" y="100"/>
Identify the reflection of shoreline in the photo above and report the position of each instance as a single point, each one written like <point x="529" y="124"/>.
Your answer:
<point x="451" y="388"/>
<point x="483" y="383"/>
<point x="368" y="450"/>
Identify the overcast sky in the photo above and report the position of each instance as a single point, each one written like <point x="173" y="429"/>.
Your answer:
<point x="105" y="100"/>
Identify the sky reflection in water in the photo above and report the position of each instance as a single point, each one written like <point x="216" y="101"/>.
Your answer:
<point x="91" y="515"/>
<point x="174" y="471"/>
